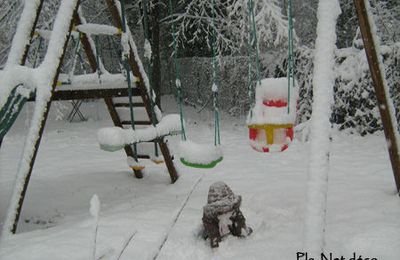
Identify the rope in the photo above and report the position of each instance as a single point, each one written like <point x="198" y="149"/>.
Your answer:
<point x="177" y="74"/>
<point x="149" y="69"/>
<point x="128" y="79"/>
<point x="96" y="39"/>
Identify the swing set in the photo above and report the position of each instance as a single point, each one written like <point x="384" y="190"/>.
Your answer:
<point x="44" y="85"/>
<point x="271" y="117"/>
<point x="192" y="154"/>
<point x="273" y="107"/>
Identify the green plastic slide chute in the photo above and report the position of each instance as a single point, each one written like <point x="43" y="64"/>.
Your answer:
<point x="15" y="102"/>
<point x="11" y="109"/>
<point x="217" y="136"/>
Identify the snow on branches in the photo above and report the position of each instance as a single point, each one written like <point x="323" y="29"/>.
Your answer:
<point x="193" y="23"/>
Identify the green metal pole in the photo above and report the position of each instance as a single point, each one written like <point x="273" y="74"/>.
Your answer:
<point x="290" y="65"/>
<point x="217" y="137"/>
<point x="128" y="78"/>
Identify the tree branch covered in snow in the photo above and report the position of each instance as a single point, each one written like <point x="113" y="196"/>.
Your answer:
<point x="193" y="20"/>
<point x="9" y="14"/>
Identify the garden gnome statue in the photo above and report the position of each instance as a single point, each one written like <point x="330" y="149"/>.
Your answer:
<point x="222" y="215"/>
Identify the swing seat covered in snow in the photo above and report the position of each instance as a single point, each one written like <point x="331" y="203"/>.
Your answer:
<point x="200" y="155"/>
<point x="112" y="139"/>
<point x="272" y="118"/>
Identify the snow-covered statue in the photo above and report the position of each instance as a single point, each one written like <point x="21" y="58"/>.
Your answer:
<point x="222" y="215"/>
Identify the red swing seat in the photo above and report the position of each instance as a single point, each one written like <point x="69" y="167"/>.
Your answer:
<point x="271" y="121"/>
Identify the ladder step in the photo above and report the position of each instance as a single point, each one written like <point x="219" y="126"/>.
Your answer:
<point x="136" y="122"/>
<point x="128" y="105"/>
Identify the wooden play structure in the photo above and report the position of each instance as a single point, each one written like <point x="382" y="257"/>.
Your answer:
<point x="69" y="22"/>
<point x="192" y="154"/>
<point x="385" y="106"/>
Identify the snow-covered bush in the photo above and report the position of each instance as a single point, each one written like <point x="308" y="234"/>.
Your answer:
<point x="355" y="102"/>
<point x="355" y="106"/>
<point x="393" y="76"/>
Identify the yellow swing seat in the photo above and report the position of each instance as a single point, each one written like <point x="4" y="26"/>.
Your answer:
<point x="270" y="137"/>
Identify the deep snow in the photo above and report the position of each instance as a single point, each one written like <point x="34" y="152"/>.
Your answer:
<point x="362" y="215"/>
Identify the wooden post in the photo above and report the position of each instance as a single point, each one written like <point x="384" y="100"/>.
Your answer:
<point x="40" y="133"/>
<point x="27" y="47"/>
<point x="378" y="82"/>
<point x="117" y="122"/>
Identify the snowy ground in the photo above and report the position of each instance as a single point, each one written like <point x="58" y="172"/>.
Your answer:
<point x="362" y="216"/>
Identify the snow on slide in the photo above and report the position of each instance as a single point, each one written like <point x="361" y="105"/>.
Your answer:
<point x="13" y="73"/>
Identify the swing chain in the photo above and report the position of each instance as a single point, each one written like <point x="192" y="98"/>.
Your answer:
<point x="148" y="59"/>
<point x="128" y="75"/>
<point x="290" y="65"/>
<point x="177" y="73"/>
<point x="217" y="135"/>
